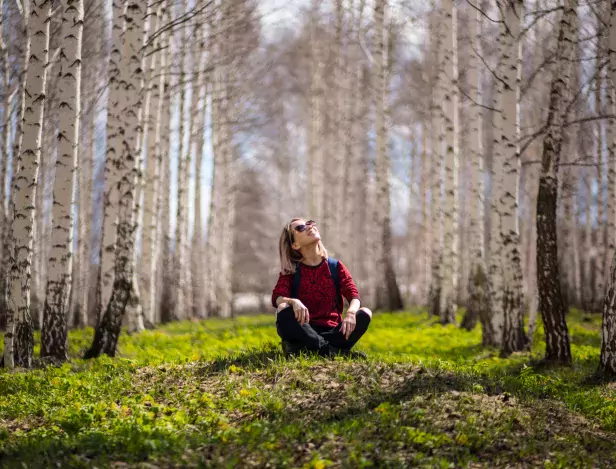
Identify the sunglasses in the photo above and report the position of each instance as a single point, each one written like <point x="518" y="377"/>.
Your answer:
<point x="302" y="228"/>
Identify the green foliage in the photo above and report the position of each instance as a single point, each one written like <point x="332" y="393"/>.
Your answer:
<point x="219" y="393"/>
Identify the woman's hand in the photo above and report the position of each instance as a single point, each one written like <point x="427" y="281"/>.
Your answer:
<point x="348" y="324"/>
<point x="301" y="312"/>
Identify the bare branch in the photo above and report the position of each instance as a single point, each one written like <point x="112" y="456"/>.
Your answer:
<point x="482" y="12"/>
<point x="367" y="53"/>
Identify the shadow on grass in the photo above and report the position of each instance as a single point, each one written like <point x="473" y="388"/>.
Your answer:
<point x="251" y="359"/>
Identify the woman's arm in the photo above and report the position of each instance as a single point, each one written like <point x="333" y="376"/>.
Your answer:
<point x="353" y="306"/>
<point x="281" y="290"/>
<point x="284" y="299"/>
<point x="347" y="286"/>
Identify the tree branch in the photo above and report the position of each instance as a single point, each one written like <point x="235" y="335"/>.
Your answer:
<point x="482" y="12"/>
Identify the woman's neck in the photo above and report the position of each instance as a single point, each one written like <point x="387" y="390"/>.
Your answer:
<point x="311" y="254"/>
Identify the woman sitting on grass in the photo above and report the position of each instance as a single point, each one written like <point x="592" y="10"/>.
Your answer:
<point x="308" y="297"/>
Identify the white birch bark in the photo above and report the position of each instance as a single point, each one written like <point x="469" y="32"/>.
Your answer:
<point x="548" y="276"/>
<point x="163" y="311"/>
<point x="182" y="186"/>
<point x="436" y="146"/>
<point x="588" y="289"/>
<point x="476" y="308"/>
<point x="450" y="267"/>
<point x="5" y="142"/>
<point x="388" y="293"/>
<point x="228" y="114"/>
<point x="610" y="135"/>
<point x="19" y="339"/>
<point x="54" y="336"/>
<point x="132" y="97"/>
<point x="197" y="246"/>
<point x="315" y="165"/>
<point x="607" y="360"/>
<point x="112" y="177"/>
<point x="215" y="217"/>
<point x="150" y="251"/>
<point x="600" y="265"/>
<point x="513" y="305"/>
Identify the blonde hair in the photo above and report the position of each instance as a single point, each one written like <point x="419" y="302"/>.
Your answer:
<point x="289" y="257"/>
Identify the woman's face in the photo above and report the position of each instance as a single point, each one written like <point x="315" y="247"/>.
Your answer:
<point x="305" y="232"/>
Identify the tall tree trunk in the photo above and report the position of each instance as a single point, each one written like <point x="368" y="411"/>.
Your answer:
<point x="164" y="311"/>
<point x="450" y="266"/>
<point x="477" y="307"/>
<point x="607" y="360"/>
<point x="108" y="331"/>
<point x="197" y="250"/>
<point x="7" y="113"/>
<point x="112" y="177"/>
<point x="54" y="336"/>
<point x="512" y="297"/>
<point x="19" y="338"/>
<point x="389" y="297"/>
<point x="315" y="165"/>
<point x="436" y="145"/>
<point x="150" y="251"/>
<point x="600" y="265"/>
<point x="182" y="186"/>
<point x="548" y="278"/>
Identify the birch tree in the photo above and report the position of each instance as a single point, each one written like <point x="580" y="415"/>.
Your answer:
<point x="108" y="330"/>
<point x="477" y="307"/>
<point x="182" y="186"/>
<point x="389" y="297"/>
<point x="54" y="336"/>
<point x="607" y="360"/>
<point x="508" y="86"/>
<point x="18" y="338"/>
<point x="150" y="251"/>
<point x="112" y="176"/>
<point x="450" y="119"/>
<point x="548" y="278"/>
<point x="436" y="140"/>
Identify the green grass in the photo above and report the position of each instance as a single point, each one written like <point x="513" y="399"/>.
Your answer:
<point x="219" y="394"/>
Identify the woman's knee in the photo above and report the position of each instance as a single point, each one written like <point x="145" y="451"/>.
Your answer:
<point x="365" y="312"/>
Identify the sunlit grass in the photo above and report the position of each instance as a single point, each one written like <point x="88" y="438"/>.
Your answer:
<point x="219" y="392"/>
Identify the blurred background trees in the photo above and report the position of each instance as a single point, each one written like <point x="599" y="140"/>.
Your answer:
<point x="417" y="134"/>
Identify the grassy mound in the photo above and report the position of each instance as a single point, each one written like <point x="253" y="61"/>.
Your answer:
<point x="219" y="394"/>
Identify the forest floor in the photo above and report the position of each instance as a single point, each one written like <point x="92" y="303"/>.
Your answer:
<point x="218" y="393"/>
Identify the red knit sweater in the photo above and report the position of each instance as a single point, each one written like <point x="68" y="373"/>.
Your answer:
<point x="318" y="293"/>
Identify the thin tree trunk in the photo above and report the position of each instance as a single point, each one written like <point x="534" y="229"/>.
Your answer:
<point x="19" y="338"/>
<point x="182" y="186"/>
<point x="548" y="278"/>
<point x="54" y="336"/>
<point x="451" y="234"/>
<point x="436" y="145"/>
<point x="108" y="330"/>
<point x="477" y="307"/>
<point x="512" y="296"/>
<point x="600" y="266"/>
<point x="112" y="177"/>
<point x="607" y="360"/>
<point x="197" y="248"/>
<point x="7" y="113"/>
<point x="150" y="252"/>
<point x="388" y="293"/>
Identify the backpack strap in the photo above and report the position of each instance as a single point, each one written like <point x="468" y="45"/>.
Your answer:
<point x="295" y="282"/>
<point x="333" y="270"/>
<point x="332" y="264"/>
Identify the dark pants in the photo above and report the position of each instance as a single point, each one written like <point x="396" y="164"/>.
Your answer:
<point x="318" y="337"/>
